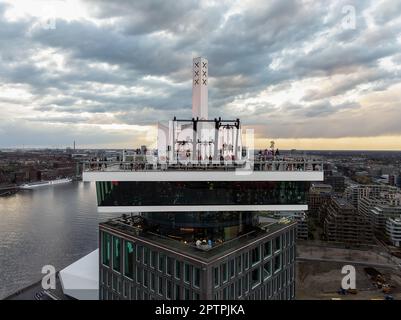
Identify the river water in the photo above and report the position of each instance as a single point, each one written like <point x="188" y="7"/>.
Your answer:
<point x="52" y="225"/>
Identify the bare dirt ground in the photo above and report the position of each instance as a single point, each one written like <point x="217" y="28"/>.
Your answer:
<point x="320" y="278"/>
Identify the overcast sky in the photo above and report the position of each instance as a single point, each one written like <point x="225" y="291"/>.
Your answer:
<point x="102" y="73"/>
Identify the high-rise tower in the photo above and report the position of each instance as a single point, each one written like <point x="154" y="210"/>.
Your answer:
<point x="189" y="225"/>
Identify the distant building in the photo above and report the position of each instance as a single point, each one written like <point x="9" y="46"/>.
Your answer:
<point x="366" y="204"/>
<point x="393" y="231"/>
<point x="337" y="182"/>
<point x="356" y="192"/>
<point x="343" y="223"/>
<point x="381" y="213"/>
<point x="319" y="193"/>
<point x="398" y="181"/>
<point x="302" y="222"/>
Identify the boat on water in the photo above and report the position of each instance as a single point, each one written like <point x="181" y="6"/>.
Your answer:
<point x="38" y="184"/>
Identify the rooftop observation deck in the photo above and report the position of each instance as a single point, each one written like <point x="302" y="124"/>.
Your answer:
<point x="133" y="226"/>
<point x="259" y="169"/>
<point x="259" y="164"/>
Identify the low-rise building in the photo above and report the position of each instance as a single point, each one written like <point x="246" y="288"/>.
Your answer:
<point x="300" y="217"/>
<point x="343" y="223"/>
<point x="355" y="193"/>
<point x="337" y="181"/>
<point x="381" y="213"/>
<point x="393" y="231"/>
<point x="319" y="193"/>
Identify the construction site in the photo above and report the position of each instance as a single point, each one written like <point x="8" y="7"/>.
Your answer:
<point x="318" y="271"/>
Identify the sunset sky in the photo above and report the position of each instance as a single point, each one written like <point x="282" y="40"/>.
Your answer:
<point x="103" y="73"/>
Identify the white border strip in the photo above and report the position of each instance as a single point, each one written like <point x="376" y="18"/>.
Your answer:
<point x="270" y="207"/>
<point x="202" y="176"/>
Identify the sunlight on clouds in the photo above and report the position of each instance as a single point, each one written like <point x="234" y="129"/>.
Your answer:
<point x="45" y="9"/>
<point x="108" y="71"/>
<point x="349" y="143"/>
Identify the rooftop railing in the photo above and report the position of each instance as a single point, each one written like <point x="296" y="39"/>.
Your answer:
<point x="283" y="164"/>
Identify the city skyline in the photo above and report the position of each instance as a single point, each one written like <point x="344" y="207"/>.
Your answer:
<point x="103" y="74"/>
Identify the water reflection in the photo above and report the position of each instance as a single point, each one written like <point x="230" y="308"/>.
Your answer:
<point x="51" y="225"/>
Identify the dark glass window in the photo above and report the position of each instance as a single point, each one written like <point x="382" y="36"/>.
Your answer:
<point x="139" y="250"/>
<point x="267" y="249"/>
<point x="170" y="262"/>
<point x="196" y="296"/>
<point x="225" y="293"/>
<point x="267" y="270"/>
<point x="145" y="278"/>
<point x="277" y="263"/>
<point x="106" y="248"/>
<point x="114" y="282"/>
<point x="149" y="193"/>
<point x="246" y="260"/>
<point x="129" y="259"/>
<point x="186" y="272"/>
<point x="192" y="226"/>
<point x="169" y="289"/>
<point x="255" y="255"/>
<point x="152" y="281"/>
<point x="196" y="274"/>
<point x="187" y="294"/>
<point x="161" y="262"/>
<point x="216" y="276"/>
<point x="225" y="272"/>
<point x="232" y="268"/>
<point x="239" y="288"/>
<point x="239" y="264"/>
<point x="245" y="282"/>
<point x="177" y="292"/>
<point x="160" y="289"/>
<point x="277" y="243"/>
<point x="255" y="277"/>
<point x="153" y="259"/>
<point x="145" y="256"/>
<point x="139" y="275"/>
<point x="117" y="254"/>
<point x="232" y="291"/>
<point x="177" y="270"/>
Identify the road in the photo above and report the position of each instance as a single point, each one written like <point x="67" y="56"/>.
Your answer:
<point x="362" y="263"/>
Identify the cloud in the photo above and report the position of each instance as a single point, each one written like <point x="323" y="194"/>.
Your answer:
<point x="288" y="68"/>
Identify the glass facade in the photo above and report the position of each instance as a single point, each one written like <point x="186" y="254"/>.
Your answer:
<point x="264" y="270"/>
<point x="176" y="193"/>
<point x="192" y="226"/>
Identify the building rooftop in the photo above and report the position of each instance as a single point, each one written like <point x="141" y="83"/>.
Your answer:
<point x="343" y="203"/>
<point x="132" y="226"/>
